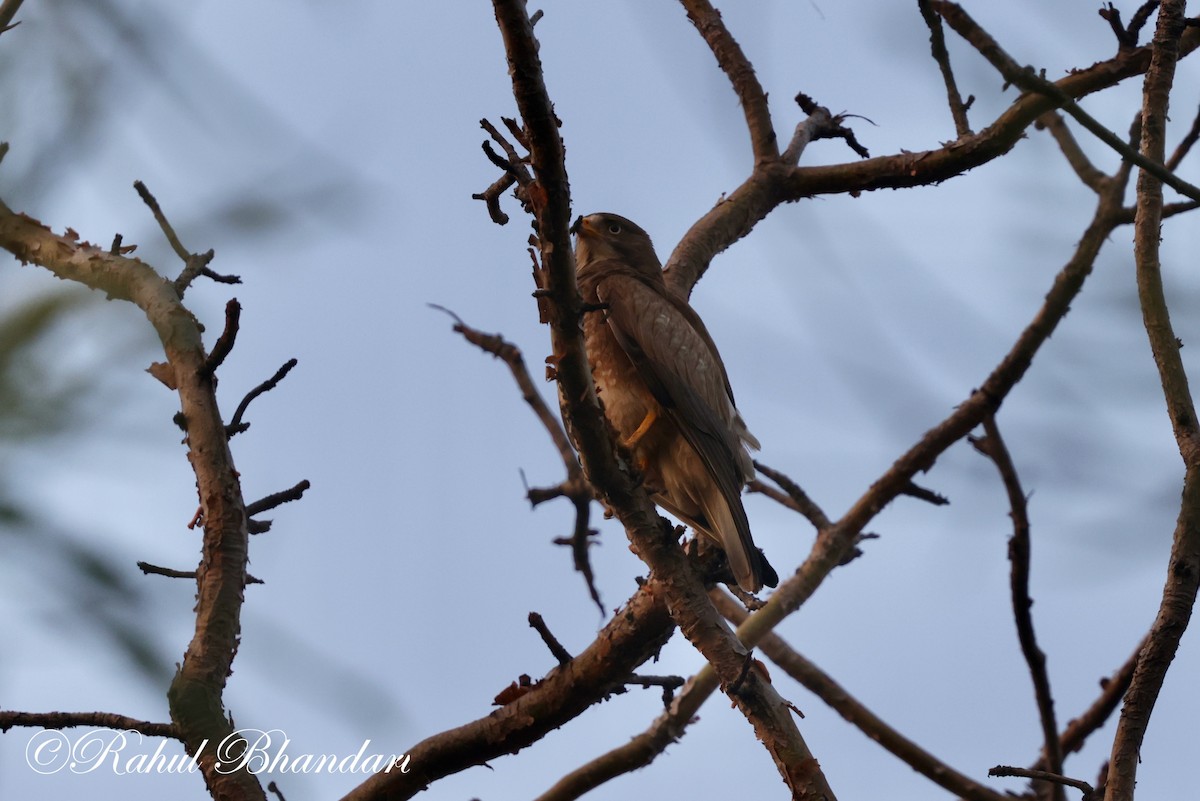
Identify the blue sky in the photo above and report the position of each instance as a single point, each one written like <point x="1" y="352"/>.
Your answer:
<point x="397" y="590"/>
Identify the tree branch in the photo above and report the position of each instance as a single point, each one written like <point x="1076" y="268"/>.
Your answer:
<point x="774" y="182"/>
<point x="1026" y="79"/>
<point x="740" y="72"/>
<point x="992" y="445"/>
<point x="824" y="687"/>
<point x="197" y="708"/>
<point x="1057" y="779"/>
<point x="103" y="720"/>
<point x="621" y="491"/>
<point x="1183" y="571"/>
<point x="937" y="45"/>
<point x="634" y="634"/>
<point x="575" y="488"/>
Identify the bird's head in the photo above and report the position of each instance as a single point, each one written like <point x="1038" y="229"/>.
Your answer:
<point x="607" y="237"/>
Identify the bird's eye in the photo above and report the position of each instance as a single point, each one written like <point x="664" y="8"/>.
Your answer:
<point x="614" y="228"/>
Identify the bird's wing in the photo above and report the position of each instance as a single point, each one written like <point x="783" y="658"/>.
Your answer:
<point x="680" y="366"/>
<point x="673" y="353"/>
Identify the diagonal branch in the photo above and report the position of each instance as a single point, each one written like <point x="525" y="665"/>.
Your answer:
<point x="575" y="488"/>
<point x="1112" y="690"/>
<point x="775" y="182"/>
<point x="937" y="44"/>
<point x="741" y="74"/>
<point x="1026" y="79"/>
<point x="634" y="634"/>
<point x="824" y="687"/>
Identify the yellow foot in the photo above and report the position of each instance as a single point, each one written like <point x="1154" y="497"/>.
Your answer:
<point x="632" y="440"/>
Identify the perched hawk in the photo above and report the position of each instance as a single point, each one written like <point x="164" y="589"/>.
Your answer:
<point x="665" y="390"/>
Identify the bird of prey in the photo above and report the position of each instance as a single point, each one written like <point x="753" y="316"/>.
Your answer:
<point x="665" y="390"/>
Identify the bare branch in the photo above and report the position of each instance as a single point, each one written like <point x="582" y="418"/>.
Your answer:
<point x="491" y="198"/>
<point x="224" y="343"/>
<point x="740" y="73"/>
<point x="1112" y="689"/>
<point x="1026" y="79"/>
<point x="632" y="636"/>
<point x="937" y="45"/>
<point x="196" y="693"/>
<point x="538" y="624"/>
<point x="992" y="445"/>
<point x="1185" y="144"/>
<point x="574" y="487"/>
<point x="68" y="720"/>
<point x="275" y="499"/>
<point x="1092" y="177"/>
<point x="836" y="543"/>
<point x="236" y="426"/>
<point x="169" y="572"/>
<point x="621" y="491"/>
<point x="8" y="10"/>
<point x="157" y="570"/>
<point x="824" y="687"/>
<point x="193" y="263"/>
<point x="1057" y="779"/>
<point x="1183" y="572"/>
<point x="800" y="501"/>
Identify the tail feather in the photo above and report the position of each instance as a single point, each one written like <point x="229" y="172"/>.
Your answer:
<point x="731" y="529"/>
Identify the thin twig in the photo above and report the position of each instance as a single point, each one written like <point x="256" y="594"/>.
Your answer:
<point x="224" y="344"/>
<point x="802" y="502"/>
<point x="937" y="45"/>
<point x="1057" y="779"/>
<point x="914" y="490"/>
<point x="275" y="499"/>
<point x="491" y="198"/>
<point x="820" y="124"/>
<point x="511" y="355"/>
<point x="1112" y="690"/>
<point x="215" y="276"/>
<point x="156" y="570"/>
<point x="538" y="624"/>
<point x="236" y="426"/>
<point x="666" y="682"/>
<point x="1185" y="144"/>
<point x="992" y="445"/>
<point x="8" y="10"/>
<point x="574" y="487"/>
<point x="183" y="253"/>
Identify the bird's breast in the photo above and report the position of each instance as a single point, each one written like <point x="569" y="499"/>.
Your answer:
<point x="626" y="398"/>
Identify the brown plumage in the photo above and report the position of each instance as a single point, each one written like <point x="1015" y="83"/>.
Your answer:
<point x="665" y="390"/>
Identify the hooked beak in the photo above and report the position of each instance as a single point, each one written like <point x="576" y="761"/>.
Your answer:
<point x="583" y="227"/>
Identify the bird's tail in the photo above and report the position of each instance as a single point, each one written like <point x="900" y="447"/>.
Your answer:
<point x="730" y="527"/>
